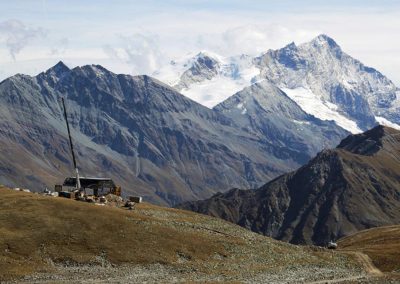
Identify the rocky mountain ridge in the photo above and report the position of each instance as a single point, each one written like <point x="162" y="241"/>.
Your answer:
<point x="339" y="192"/>
<point x="162" y="145"/>
<point x="318" y="75"/>
<point x="149" y="138"/>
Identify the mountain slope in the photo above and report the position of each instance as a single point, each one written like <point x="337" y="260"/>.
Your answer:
<point x="319" y="71"/>
<point x="266" y="111"/>
<point x="318" y="75"/>
<point x="150" y="139"/>
<point x="63" y="240"/>
<point x="339" y="192"/>
<point x="209" y="78"/>
<point x="381" y="244"/>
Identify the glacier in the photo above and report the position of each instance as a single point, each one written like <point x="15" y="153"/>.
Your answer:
<point x="323" y="110"/>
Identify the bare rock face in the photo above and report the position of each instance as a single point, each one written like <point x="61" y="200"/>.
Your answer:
<point x="341" y="191"/>
<point x="150" y="139"/>
<point x="266" y="111"/>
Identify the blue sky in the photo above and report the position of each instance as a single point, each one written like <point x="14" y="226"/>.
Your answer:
<point x="137" y="37"/>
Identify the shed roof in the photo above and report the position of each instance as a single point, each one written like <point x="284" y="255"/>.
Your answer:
<point x="90" y="182"/>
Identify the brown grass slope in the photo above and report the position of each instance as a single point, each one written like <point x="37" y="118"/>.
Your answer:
<point x="353" y="187"/>
<point x="42" y="234"/>
<point x="381" y="244"/>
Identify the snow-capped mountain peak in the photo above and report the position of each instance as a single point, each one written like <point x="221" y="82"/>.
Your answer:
<point x="318" y="75"/>
<point x="290" y="46"/>
<point x="207" y="55"/>
<point x="324" y="40"/>
<point x="335" y="81"/>
<point x="210" y="78"/>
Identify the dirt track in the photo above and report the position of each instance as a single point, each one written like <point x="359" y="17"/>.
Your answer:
<point x="370" y="268"/>
<point x="367" y="264"/>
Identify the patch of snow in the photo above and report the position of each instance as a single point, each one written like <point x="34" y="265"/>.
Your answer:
<point x="213" y="55"/>
<point x="396" y="103"/>
<point x="211" y="92"/>
<point x="248" y="74"/>
<point x="348" y="83"/>
<point x="242" y="107"/>
<point x="301" y="122"/>
<point x="171" y="73"/>
<point x="324" y="110"/>
<point x="234" y="74"/>
<point x="98" y="73"/>
<point x="320" y="41"/>
<point x="331" y="106"/>
<point x="385" y="122"/>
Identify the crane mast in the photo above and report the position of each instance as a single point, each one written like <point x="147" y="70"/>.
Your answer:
<point x="71" y="145"/>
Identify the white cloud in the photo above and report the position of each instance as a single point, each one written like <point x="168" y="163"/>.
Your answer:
<point x="141" y="52"/>
<point x="254" y="39"/>
<point x="15" y="35"/>
<point x="146" y="53"/>
<point x="154" y="36"/>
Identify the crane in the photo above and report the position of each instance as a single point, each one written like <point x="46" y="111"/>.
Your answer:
<point x="97" y="184"/>
<point x="71" y="145"/>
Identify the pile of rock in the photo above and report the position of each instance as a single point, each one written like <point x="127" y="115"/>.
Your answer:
<point x="21" y="189"/>
<point x="48" y="192"/>
<point x="108" y="199"/>
<point x="111" y="200"/>
<point x="130" y="203"/>
<point x="114" y="200"/>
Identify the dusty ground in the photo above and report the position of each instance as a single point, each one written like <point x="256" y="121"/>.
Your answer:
<point x="55" y="240"/>
<point x="381" y="244"/>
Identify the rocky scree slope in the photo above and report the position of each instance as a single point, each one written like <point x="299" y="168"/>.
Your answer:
<point x="341" y="191"/>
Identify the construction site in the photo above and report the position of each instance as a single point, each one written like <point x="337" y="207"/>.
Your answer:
<point x="98" y="190"/>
